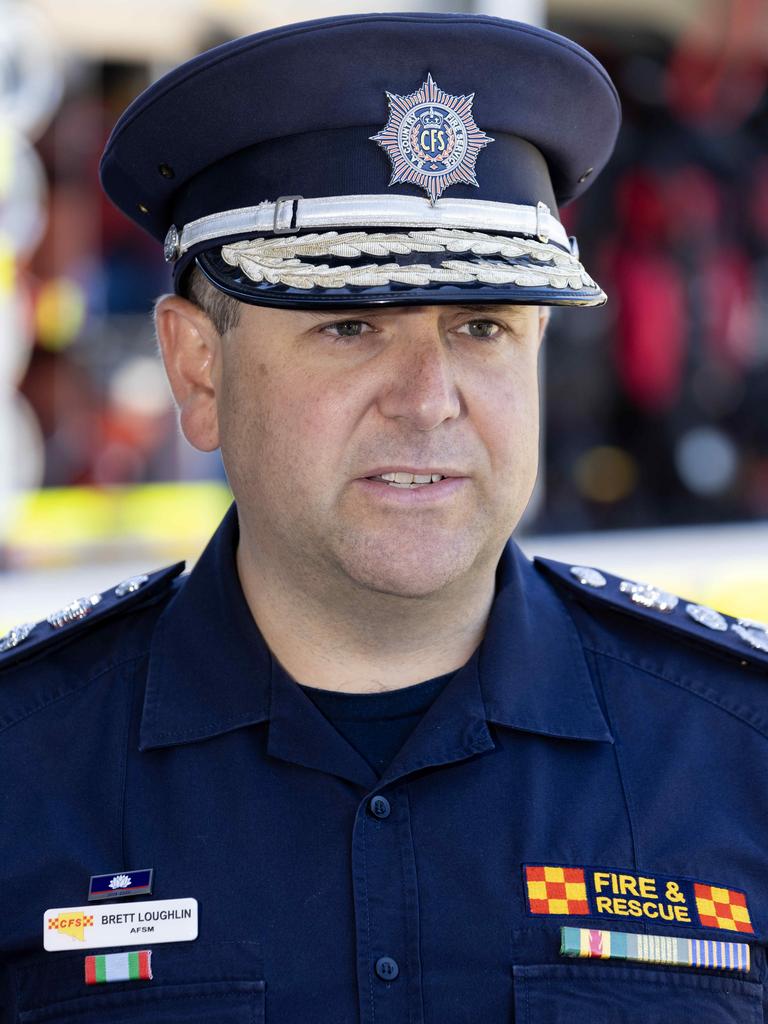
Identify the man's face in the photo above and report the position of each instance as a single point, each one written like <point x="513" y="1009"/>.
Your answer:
<point x="324" y="418"/>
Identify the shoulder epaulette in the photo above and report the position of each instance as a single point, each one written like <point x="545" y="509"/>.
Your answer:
<point x="29" y="638"/>
<point x="744" y="639"/>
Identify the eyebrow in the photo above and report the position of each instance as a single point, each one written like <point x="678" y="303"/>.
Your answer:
<point x="487" y="309"/>
<point x="340" y="314"/>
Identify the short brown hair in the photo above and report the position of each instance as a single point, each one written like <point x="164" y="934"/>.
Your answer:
<point x="221" y="309"/>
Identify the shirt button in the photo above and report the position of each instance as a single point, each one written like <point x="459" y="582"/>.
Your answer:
<point x="387" y="968"/>
<point x="380" y="807"/>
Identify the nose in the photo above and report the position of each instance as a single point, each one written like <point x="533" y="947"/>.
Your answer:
<point x="420" y="385"/>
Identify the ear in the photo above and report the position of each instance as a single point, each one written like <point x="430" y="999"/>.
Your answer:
<point x="190" y="346"/>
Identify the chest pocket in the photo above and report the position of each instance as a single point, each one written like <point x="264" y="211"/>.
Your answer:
<point x="601" y="994"/>
<point x="192" y="983"/>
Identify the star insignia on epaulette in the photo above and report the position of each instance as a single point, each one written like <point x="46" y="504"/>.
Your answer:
<point x="16" y="636"/>
<point x="623" y="594"/>
<point x="32" y="635"/>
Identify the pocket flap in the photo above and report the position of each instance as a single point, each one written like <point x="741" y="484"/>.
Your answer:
<point x="226" y="1002"/>
<point x="603" y="994"/>
<point x="183" y="972"/>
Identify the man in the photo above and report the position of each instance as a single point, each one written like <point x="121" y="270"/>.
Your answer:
<point x="365" y="762"/>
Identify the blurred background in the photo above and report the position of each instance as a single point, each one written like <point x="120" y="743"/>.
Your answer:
<point x="655" y="406"/>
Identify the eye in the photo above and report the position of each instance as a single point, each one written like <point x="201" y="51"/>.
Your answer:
<point x="486" y="329"/>
<point x="347" y="328"/>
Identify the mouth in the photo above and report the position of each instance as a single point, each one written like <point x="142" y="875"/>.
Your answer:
<point x="406" y="480"/>
<point x="394" y="487"/>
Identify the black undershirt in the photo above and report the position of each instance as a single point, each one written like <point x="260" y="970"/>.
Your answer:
<point x="378" y="724"/>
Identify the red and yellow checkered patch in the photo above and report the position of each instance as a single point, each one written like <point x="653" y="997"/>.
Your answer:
<point x="553" y="890"/>
<point x="722" y="908"/>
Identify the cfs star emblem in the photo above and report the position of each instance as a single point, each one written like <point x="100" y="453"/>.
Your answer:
<point x="432" y="139"/>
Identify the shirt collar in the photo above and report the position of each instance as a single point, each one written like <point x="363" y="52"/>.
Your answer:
<point x="209" y="667"/>
<point x="533" y="670"/>
<point x="531" y="666"/>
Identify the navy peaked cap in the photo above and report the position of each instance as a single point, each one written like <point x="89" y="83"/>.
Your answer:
<point x="384" y="157"/>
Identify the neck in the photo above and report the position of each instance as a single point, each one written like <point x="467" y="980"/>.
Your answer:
<point x="353" y="639"/>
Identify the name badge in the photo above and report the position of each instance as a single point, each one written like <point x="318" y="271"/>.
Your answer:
<point x="68" y="928"/>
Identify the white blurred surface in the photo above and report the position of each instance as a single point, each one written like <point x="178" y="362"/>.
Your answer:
<point x="697" y="553"/>
<point x="725" y="562"/>
<point x="32" y="595"/>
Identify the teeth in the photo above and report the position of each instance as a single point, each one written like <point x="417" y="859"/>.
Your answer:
<point x="409" y="479"/>
<point x="406" y="479"/>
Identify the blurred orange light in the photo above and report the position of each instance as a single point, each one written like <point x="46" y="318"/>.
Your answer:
<point x="606" y="474"/>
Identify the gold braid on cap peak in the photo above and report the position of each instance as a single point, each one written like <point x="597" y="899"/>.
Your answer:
<point x="276" y="260"/>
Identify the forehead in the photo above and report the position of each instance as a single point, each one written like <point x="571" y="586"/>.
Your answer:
<point x="302" y="319"/>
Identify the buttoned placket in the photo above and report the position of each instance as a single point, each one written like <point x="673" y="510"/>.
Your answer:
<point x="384" y="875"/>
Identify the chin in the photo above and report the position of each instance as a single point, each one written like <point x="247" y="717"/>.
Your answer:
<point x="405" y="569"/>
<point x="405" y="587"/>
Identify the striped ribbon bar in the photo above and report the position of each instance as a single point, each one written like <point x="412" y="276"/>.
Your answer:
<point x="654" y="949"/>
<point x="133" y="966"/>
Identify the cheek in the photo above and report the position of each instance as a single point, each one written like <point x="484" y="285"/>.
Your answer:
<point x="508" y="420"/>
<point x="324" y="411"/>
<point x="241" y="412"/>
<point x="249" y="427"/>
<point x="280" y="426"/>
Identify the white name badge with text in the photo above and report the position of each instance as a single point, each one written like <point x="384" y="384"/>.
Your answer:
<point x="68" y="928"/>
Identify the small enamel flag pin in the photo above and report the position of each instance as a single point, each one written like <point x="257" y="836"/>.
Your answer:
<point x="134" y="966"/>
<point x="121" y="883"/>
<point x="432" y="139"/>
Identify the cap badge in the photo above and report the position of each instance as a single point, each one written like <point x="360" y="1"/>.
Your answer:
<point x="432" y="139"/>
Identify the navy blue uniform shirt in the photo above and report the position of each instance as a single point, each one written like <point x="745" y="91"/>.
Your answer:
<point x="595" y="766"/>
<point x="377" y="724"/>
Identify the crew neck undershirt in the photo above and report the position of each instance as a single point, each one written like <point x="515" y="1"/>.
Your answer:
<point x="378" y="724"/>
